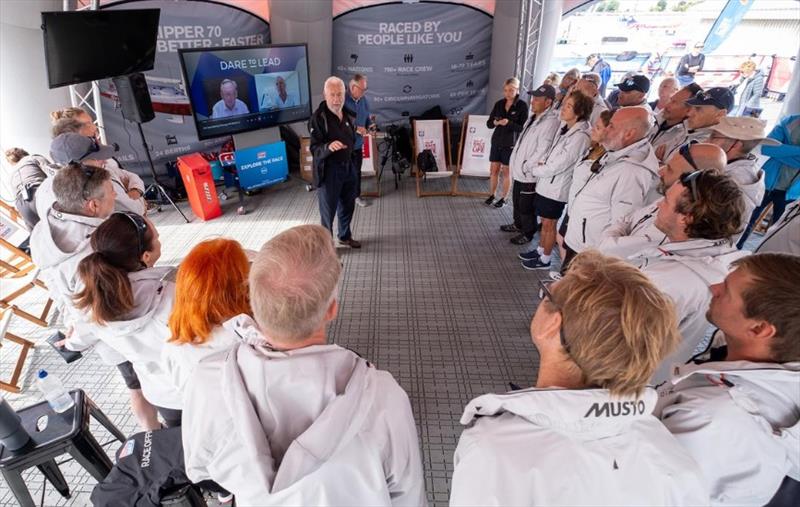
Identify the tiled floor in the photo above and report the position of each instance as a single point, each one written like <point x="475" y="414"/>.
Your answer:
<point x="436" y="296"/>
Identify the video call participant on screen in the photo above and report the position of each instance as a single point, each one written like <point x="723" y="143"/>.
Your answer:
<point x="333" y="131"/>
<point x="281" y="99"/>
<point x="230" y="105"/>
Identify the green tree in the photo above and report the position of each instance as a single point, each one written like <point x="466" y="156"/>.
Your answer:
<point x="661" y="6"/>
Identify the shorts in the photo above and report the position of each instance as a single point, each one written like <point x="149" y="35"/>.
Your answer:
<point x="548" y="208"/>
<point x="501" y="155"/>
<point x="129" y="375"/>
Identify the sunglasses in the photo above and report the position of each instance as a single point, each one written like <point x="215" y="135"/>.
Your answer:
<point x="690" y="180"/>
<point x="544" y="292"/>
<point x="685" y="151"/>
<point x="93" y="148"/>
<point x="88" y="172"/>
<point x="141" y="227"/>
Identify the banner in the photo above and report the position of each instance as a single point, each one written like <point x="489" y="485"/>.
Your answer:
<point x="730" y="16"/>
<point x="262" y="166"/>
<point x="187" y="24"/>
<point x="416" y="56"/>
<point x="430" y="135"/>
<point x="477" y="142"/>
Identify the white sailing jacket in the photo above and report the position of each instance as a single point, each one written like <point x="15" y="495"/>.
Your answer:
<point x="700" y="135"/>
<point x="532" y="145"/>
<point x="684" y="271"/>
<point x="784" y="235"/>
<point x="570" y="447"/>
<point x="741" y="422"/>
<point x="670" y="137"/>
<point x="312" y="426"/>
<point x="626" y="181"/>
<point x="180" y="360"/>
<point x="554" y="170"/>
<point x="633" y="233"/>
<point x="750" y="178"/>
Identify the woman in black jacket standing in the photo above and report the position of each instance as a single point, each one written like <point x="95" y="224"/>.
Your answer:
<point x="507" y="119"/>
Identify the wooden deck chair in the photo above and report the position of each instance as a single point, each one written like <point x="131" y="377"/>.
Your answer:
<point x="762" y="222"/>
<point x="435" y="136"/>
<point x="370" y="165"/>
<point x="13" y="261"/>
<point x="12" y="384"/>
<point x="12" y="288"/>
<point x="478" y="141"/>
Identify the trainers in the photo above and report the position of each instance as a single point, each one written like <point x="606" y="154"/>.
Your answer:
<point x="520" y="239"/>
<point x="500" y="203"/>
<point x="526" y="256"/>
<point x="535" y="264"/>
<point x="225" y="498"/>
<point x="363" y="202"/>
<point x="509" y="228"/>
<point x="489" y="200"/>
<point x="555" y="276"/>
<point x="350" y="242"/>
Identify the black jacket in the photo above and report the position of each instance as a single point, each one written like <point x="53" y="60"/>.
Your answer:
<point x="318" y="130"/>
<point x="506" y="136"/>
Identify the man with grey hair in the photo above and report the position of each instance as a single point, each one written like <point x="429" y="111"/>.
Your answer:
<point x="333" y="134"/>
<point x="587" y="85"/>
<point x="356" y="101"/>
<point x="229" y="103"/>
<point x="284" y="417"/>
<point x="666" y="89"/>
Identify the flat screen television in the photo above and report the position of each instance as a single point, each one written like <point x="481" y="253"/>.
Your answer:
<point x="83" y="46"/>
<point x="239" y="89"/>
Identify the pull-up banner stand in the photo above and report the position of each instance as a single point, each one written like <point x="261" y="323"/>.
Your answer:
<point x="473" y="151"/>
<point x="369" y="164"/>
<point x="432" y="135"/>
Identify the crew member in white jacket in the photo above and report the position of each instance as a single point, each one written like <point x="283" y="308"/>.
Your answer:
<point x="738" y="414"/>
<point x="283" y="418"/>
<point x="699" y="215"/>
<point x="621" y="181"/>
<point x="600" y="332"/>
<point x="532" y="145"/>
<point x="670" y="132"/>
<point x="784" y="235"/>
<point x="554" y="172"/>
<point x="636" y="231"/>
<point x="60" y="240"/>
<point x="129" y="302"/>
<point x="588" y="85"/>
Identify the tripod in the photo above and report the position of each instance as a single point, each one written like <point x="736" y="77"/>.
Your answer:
<point x="160" y="192"/>
<point x="392" y="155"/>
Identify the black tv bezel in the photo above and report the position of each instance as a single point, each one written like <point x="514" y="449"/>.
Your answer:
<point x="52" y="85"/>
<point x="185" y="77"/>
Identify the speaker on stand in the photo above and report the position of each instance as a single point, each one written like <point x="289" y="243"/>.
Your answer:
<point x="134" y="99"/>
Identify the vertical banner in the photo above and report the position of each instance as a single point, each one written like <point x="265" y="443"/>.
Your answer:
<point x="186" y="24"/>
<point x="430" y="135"/>
<point x="477" y="141"/>
<point x="415" y="56"/>
<point x="730" y="16"/>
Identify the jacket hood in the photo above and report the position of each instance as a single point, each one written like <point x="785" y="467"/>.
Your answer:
<point x="150" y="287"/>
<point x="53" y="238"/>
<point x="583" y="413"/>
<point x="252" y="358"/>
<point x="640" y="153"/>
<point x="702" y="256"/>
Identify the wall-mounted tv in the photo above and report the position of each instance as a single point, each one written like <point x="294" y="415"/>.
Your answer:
<point x="239" y="89"/>
<point x="81" y="46"/>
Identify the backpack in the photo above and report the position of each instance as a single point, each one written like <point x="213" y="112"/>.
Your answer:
<point x="426" y="162"/>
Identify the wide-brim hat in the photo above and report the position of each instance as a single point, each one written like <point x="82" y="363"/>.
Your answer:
<point x="744" y="128"/>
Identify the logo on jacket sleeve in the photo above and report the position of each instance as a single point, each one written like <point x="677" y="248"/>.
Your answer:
<point x="616" y="409"/>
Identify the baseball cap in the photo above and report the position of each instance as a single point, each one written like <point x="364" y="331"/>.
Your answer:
<point x="636" y="82"/>
<point x="544" y="91"/>
<point x="70" y="147"/>
<point x="744" y="128"/>
<point x="719" y="97"/>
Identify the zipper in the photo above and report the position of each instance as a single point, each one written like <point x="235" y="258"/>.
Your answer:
<point x="583" y="231"/>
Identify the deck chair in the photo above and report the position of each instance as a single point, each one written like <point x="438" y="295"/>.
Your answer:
<point x="435" y="136"/>
<point x="12" y="385"/>
<point x="475" y="143"/>
<point x="370" y="165"/>
<point x="761" y="224"/>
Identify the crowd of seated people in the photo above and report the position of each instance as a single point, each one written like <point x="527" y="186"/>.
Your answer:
<point x="232" y="345"/>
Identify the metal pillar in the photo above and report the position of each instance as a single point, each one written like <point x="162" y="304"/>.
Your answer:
<point x="530" y="19"/>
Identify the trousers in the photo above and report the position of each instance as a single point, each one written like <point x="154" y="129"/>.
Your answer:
<point x="524" y="210"/>
<point x="337" y="196"/>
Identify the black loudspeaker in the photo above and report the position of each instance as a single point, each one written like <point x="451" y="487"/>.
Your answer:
<point x="134" y="98"/>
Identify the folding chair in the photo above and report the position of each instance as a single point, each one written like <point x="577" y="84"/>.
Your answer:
<point x="437" y="133"/>
<point x="12" y="384"/>
<point x="477" y="123"/>
<point x="762" y="222"/>
<point x="370" y="165"/>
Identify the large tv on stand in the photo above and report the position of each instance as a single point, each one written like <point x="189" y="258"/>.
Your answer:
<point x="240" y="89"/>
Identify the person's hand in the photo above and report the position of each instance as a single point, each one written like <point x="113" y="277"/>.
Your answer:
<point x="336" y="146"/>
<point x="503" y="122"/>
<point x="135" y="194"/>
<point x="361" y="131"/>
<point x="660" y="151"/>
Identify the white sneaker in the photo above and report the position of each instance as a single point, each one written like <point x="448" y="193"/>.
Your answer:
<point x="224" y="499"/>
<point x="555" y="276"/>
<point x="363" y="202"/>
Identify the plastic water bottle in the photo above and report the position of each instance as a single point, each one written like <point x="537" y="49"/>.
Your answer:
<point x="54" y="392"/>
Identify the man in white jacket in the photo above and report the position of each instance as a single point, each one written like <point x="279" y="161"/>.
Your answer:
<point x="784" y="235"/>
<point x="284" y="418"/>
<point x="600" y="332"/>
<point x="587" y="85"/>
<point x="738" y="413"/>
<point x="622" y="180"/>
<point x="532" y="145"/>
<point x="637" y="230"/>
<point x="670" y="132"/>
<point x="699" y="215"/>
<point x="706" y="109"/>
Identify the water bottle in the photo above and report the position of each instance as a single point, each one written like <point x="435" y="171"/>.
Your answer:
<point x="54" y="392"/>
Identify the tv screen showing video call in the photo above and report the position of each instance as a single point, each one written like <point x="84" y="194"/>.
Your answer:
<point x="234" y="90"/>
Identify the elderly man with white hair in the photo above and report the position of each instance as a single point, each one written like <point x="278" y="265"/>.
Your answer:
<point x="333" y="135"/>
<point x="286" y="418"/>
<point x="588" y="85"/>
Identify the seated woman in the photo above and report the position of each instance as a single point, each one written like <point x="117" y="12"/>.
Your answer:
<point x="586" y="433"/>
<point x="217" y="269"/>
<point x="129" y="302"/>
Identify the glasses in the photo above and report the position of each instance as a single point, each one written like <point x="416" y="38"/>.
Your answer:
<point x="362" y="88"/>
<point x="544" y="292"/>
<point x="141" y="227"/>
<point x="686" y="152"/>
<point x="93" y="148"/>
<point x="88" y="172"/>
<point x="690" y="180"/>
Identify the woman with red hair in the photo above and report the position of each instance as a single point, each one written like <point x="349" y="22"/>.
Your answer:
<point x="210" y="289"/>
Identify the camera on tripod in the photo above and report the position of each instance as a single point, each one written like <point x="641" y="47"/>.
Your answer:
<point x="391" y="147"/>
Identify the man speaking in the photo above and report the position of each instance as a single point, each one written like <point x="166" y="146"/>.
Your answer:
<point x="333" y="132"/>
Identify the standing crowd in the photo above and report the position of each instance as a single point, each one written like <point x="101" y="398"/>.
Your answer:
<point x="646" y="208"/>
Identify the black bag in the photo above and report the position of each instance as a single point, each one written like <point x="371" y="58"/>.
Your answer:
<point x="426" y="162"/>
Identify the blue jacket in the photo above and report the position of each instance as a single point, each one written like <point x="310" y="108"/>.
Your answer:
<point x="361" y="109"/>
<point x="787" y="131"/>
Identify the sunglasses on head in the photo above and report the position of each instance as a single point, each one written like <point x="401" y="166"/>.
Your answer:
<point x="544" y="292"/>
<point x="141" y="227"/>
<point x="88" y="172"/>
<point x="93" y="148"/>
<point x="689" y="180"/>
<point x="685" y="151"/>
